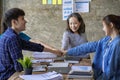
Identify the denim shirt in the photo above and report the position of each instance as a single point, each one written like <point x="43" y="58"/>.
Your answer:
<point x="111" y="61"/>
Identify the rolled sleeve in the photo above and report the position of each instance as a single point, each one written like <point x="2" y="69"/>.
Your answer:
<point x="27" y="45"/>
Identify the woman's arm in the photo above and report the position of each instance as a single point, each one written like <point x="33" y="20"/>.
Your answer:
<point x="86" y="47"/>
<point x="82" y="49"/>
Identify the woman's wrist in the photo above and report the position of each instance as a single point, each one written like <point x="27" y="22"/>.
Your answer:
<point x="64" y="52"/>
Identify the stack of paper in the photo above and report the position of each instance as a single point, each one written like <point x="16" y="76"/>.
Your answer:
<point x="80" y="72"/>
<point x="60" y="67"/>
<point x="42" y="60"/>
<point x="81" y="68"/>
<point x="59" y="64"/>
<point x="72" y="59"/>
<point x="43" y="55"/>
<point x="39" y="68"/>
<point x="46" y="76"/>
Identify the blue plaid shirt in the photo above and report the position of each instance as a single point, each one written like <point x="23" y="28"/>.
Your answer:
<point x="22" y="35"/>
<point x="11" y="46"/>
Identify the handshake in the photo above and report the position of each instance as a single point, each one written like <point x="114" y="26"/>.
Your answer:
<point x="59" y="52"/>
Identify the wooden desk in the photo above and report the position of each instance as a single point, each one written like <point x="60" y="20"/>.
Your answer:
<point x="15" y="76"/>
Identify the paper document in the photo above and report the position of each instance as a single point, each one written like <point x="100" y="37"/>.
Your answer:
<point x="46" y="76"/>
<point x="72" y="59"/>
<point x="43" y="55"/>
<point x="60" y="67"/>
<point x="81" y="68"/>
<point x="80" y="72"/>
<point x="42" y="60"/>
<point x="59" y="64"/>
<point x="39" y="68"/>
<point x="44" y="1"/>
<point x="80" y="77"/>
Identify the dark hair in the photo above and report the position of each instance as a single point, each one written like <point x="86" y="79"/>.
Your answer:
<point x="13" y="13"/>
<point x="114" y="19"/>
<point x="79" y="18"/>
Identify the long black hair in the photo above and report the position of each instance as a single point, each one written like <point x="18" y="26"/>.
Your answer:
<point x="79" y="18"/>
<point x="114" y="19"/>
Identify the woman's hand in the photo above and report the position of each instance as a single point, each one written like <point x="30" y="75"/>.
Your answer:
<point x="60" y="52"/>
<point x="64" y="52"/>
<point x="57" y="52"/>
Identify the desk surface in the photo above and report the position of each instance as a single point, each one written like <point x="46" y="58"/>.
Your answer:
<point x="86" y="62"/>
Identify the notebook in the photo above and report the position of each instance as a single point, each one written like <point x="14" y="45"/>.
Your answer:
<point x="39" y="68"/>
<point x="46" y="76"/>
<point x="44" y="55"/>
<point x="72" y="59"/>
<point x="60" y="67"/>
<point x="80" y="72"/>
<point x="62" y="70"/>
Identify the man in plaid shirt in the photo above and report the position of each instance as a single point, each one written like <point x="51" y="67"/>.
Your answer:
<point x="11" y="44"/>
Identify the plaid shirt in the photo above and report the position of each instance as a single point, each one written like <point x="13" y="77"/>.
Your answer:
<point x="11" y="46"/>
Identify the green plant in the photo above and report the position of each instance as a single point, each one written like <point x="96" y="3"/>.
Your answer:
<point x="25" y="62"/>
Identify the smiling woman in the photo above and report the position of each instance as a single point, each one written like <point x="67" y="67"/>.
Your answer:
<point x="106" y="63"/>
<point x="75" y="32"/>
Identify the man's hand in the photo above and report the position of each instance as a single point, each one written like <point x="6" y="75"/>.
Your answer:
<point x="63" y="52"/>
<point x="58" y="52"/>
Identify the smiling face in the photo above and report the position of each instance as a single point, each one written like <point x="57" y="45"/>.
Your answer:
<point x="19" y="24"/>
<point x="74" y="24"/>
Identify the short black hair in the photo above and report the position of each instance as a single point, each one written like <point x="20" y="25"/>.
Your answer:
<point x="13" y="13"/>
